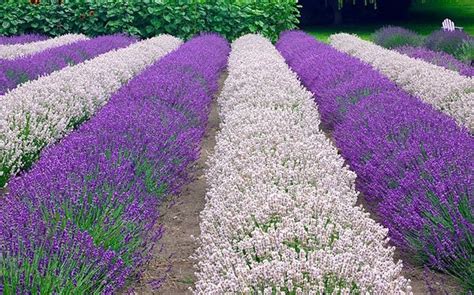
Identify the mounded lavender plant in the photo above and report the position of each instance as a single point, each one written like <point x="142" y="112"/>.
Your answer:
<point x="392" y="37"/>
<point x="104" y="182"/>
<point x="447" y="41"/>
<point x="414" y="162"/>
<point x="27" y="38"/>
<point x="442" y="59"/>
<point x="20" y="70"/>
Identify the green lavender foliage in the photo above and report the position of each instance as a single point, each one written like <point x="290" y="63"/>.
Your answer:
<point x="181" y="18"/>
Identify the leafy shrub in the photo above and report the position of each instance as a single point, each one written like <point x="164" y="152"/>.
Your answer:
<point x="466" y="52"/>
<point x="149" y="18"/>
<point x="449" y="42"/>
<point x="392" y="37"/>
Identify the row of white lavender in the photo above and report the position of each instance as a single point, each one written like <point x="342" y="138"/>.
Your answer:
<point x="42" y="111"/>
<point x="18" y="50"/>
<point x="447" y="90"/>
<point x="281" y="211"/>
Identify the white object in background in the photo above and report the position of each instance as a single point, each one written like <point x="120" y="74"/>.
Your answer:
<point x="448" y="25"/>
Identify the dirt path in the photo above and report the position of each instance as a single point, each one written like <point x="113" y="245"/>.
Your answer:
<point x="180" y="218"/>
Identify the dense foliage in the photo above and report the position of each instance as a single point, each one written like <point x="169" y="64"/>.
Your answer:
<point x="149" y="18"/>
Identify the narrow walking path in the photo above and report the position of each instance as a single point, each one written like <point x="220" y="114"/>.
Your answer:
<point x="171" y="261"/>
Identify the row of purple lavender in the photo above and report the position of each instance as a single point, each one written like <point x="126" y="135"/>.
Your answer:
<point x="441" y="59"/>
<point x="22" y="39"/>
<point x="17" y="71"/>
<point x="414" y="163"/>
<point x="83" y="218"/>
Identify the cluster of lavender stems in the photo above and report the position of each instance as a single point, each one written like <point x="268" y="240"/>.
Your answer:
<point x="83" y="218"/>
<point x="414" y="164"/>
<point x="17" y="71"/>
<point x="22" y="39"/>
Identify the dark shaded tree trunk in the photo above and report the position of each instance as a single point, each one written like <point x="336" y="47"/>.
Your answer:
<point x="337" y="16"/>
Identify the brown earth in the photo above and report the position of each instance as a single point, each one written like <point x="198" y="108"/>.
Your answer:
<point x="180" y="218"/>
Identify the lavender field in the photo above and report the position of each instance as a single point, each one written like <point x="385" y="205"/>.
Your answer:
<point x="206" y="166"/>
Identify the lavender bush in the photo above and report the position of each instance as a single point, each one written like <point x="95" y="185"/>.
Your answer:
<point x="27" y="38"/>
<point x="442" y="59"/>
<point x="446" y="41"/>
<point x="392" y="37"/>
<point x="413" y="161"/>
<point x="20" y="70"/>
<point x="466" y="52"/>
<point x="103" y="183"/>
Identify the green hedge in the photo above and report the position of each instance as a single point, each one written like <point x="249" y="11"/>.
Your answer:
<point x="182" y="18"/>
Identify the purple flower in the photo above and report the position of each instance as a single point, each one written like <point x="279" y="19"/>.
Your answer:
<point x="21" y="39"/>
<point x="446" y="41"/>
<point x="438" y="58"/>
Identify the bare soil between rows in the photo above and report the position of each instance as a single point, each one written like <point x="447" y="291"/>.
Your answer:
<point x="180" y="217"/>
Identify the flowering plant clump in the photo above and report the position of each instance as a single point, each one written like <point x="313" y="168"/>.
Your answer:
<point x="414" y="162"/>
<point x="392" y="37"/>
<point x="281" y="214"/>
<point x="19" y="50"/>
<point x="92" y="199"/>
<point x="20" y="70"/>
<point x="447" y="41"/>
<point x="441" y="59"/>
<point x="446" y="90"/>
<point x="41" y="111"/>
<point x="22" y="39"/>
